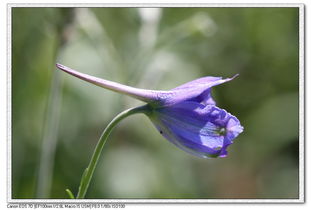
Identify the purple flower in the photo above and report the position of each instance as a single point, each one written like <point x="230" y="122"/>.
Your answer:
<point x="187" y="115"/>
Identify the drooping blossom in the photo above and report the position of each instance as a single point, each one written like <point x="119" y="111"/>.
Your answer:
<point x="187" y="115"/>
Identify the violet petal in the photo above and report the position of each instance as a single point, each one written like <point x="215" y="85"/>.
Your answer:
<point x="204" y="131"/>
<point x="196" y="90"/>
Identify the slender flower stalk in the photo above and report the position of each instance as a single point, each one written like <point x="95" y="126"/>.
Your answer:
<point x="187" y="116"/>
<point x="88" y="173"/>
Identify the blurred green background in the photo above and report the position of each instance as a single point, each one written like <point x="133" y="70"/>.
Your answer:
<point x="57" y="119"/>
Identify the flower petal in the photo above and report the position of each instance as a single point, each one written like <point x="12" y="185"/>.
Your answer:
<point x="201" y="130"/>
<point x="198" y="82"/>
<point x="196" y="90"/>
<point x="205" y="98"/>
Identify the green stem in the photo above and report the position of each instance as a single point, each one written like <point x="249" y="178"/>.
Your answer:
<point x="71" y="196"/>
<point x="88" y="173"/>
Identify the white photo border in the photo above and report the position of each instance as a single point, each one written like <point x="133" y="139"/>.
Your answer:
<point x="301" y="198"/>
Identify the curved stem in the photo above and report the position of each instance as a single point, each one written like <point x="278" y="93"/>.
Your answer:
<point x="88" y="173"/>
<point x="70" y="194"/>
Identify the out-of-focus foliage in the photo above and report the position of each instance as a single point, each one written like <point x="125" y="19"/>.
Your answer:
<point x="153" y="49"/>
